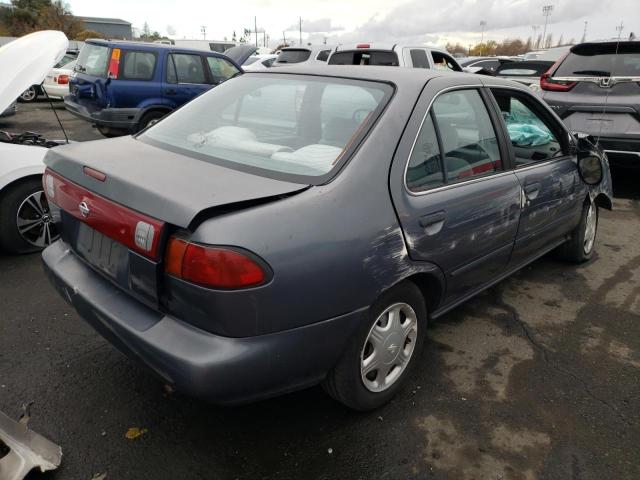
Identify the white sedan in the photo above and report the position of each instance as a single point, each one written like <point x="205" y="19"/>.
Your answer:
<point x="56" y="83"/>
<point x="25" y="219"/>
<point x="258" y="62"/>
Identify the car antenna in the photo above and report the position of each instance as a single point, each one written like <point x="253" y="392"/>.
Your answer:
<point x="66" y="138"/>
<point x="610" y="86"/>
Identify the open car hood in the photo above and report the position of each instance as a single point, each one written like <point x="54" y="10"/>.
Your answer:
<point x="26" y="61"/>
<point x="240" y="53"/>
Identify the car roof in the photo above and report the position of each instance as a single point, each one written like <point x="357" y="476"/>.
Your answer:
<point x="383" y="46"/>
<point x="311" y="48"/>
<point x="149" y="45"/>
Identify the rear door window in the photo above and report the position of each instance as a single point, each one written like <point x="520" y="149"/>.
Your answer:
<point x="601" y="59"/>
<point x="468" y="139"/>
<point x="419" y="58"/>
<point x="424" y="170"/>
<point x="93" y="60"/>
<point x="323" y="55"/>
<point x="365" y="57"/>
<point x="185" y="68"/>
<point x="138" y="65"/>
<point x="442" y="61"/>
<point x="294" y="56"/>
<point x="531" y="135"/>
<point x="221" y="69"/>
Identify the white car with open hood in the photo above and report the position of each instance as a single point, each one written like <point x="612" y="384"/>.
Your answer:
<point x="24" y="213"/>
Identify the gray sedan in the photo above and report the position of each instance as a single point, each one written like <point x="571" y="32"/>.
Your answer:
<point x="302" y="226"/>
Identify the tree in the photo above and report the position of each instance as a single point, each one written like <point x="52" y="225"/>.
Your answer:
<point x="457" y="48"/>
<point x="559" y="44"/>
<point x="86" y="34"/>
<point x="28" y="16"/>
<point x="234" y="38"/>
<point x="146" y="31"/>
<point x="548" y="41"/>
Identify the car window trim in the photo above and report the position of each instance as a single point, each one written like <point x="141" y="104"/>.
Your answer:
<point x="153" y="71"/>
<point x="503" y="170"/>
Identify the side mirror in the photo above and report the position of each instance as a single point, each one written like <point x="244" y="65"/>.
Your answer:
<point x="590" y="167"/>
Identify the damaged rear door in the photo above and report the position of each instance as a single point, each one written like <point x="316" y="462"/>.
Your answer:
<point x="458" y="205"/>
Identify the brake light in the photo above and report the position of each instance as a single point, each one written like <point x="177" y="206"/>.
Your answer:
<point x="363" y="45"/>
<point x="62" y="79"/>
<point x="549" y="84"/>
<point x="114" y="64"/>
<point x="213" y="267"/>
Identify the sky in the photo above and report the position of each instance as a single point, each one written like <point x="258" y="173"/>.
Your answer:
<point x="433" y="22"/>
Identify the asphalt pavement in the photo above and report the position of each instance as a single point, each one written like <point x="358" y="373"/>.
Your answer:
<point x="539" y="377"/>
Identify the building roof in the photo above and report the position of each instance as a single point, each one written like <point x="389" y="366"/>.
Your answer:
<point x="111" y="21"/>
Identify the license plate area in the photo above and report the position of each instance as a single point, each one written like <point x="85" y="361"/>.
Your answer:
<point x="103" y="253"/>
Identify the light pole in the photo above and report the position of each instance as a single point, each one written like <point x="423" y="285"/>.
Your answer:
<point x="203" y="30"/>
<point x="584" y="34"/>
<point x="482" y="25"/>
<point x="535" y="29"/>
<point x="470" y="45"/>
<point x="546" y="12"/>
<point x="619" y="29"/>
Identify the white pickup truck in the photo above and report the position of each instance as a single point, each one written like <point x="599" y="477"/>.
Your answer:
<point x="394" y="56"/>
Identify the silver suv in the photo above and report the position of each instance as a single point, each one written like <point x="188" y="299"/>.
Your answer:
<point x="393" y="56"/>
<point x="595" y="89"/>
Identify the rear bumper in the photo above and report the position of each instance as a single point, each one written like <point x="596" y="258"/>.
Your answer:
<point x="119" y="118"/>
<point x="56" y="91"/>
<point x="622" y="152"/>
<point x="220" y="369"/>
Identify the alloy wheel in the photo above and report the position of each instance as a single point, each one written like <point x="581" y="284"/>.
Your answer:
<point x="34" y="220"/>
<point x="590" y="228"/>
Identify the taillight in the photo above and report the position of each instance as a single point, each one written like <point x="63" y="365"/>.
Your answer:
<point x="213" y="267"/>
<point x="114" y="64"/>
<point x="63" y="79"/>
<point x="549" y="84"/>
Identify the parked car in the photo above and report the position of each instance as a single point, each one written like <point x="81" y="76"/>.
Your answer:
<point x="123" y="87"/>
<point x="32" y="93"/>
<point x="259" y="62"/>
<point x="301" y="225"/>
<point x="485" y="65"/>
<point x="25" y="219"/>
<point x="56" y="83"/>
<point x="309" y="55"/>
<point x="596" y="89"/>
<point x="527" y="72"/>
<point x="395" y="56"/>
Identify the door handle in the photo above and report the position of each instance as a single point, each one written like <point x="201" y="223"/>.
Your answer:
<point x="532" y="190"/>
<point x="433" y="222"/>
<point x="170" y="91"/>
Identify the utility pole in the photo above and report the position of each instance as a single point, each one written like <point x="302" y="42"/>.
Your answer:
<point x="482" y="25"/>
<point x="470" y="45"/>
<point x="619" y="29"/>
<point x="300" y="30"/>
<point x="203" y="30"/>
<point x="255" y="29"/>
<point x="584" y="34"/>
<point x="284" y="38"/>
<point x="546" y="12"/>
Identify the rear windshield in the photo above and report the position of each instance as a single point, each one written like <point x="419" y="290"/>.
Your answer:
<point x="364" y="57"/>
<point x="294" y="56"/>
<point x="93" y="60"/>
<point x="524" y="69"/>
<point x="602" y="60"/>
<point x="274" y="124"/>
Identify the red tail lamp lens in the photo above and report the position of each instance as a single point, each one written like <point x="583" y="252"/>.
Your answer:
<point x="114" y="64"/>
<point x="214" y="267"/>
<point x="63" y="79"/>
<point x="363" y="45"/>
<point x="547" y="83"/>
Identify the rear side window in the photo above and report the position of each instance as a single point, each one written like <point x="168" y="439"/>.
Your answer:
<point x="93" y="60"/>
<point x="469" y="143"/>
<point x="532" y="137"/>
<point x="444" y="62"/>
<point x="419" y="58"/>
<point x="138" y="65"/>
<point x="185" y="68"/>
<point x="365" y="57"/>
<point x="602" y="60"/>
<point x="425" y="166"/>
<point x="294" y="56"/>
<point x="221" y="69"/>
<point x="323" y="55"/>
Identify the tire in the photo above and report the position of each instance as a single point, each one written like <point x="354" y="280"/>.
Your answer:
<point x="149" y="119"/>
<point x="111" y="132"/>
<point x="348" y="383"/>
<point x="16" y="205"/>
<point x="579" y="248"/>
<point x="29" y="95"/>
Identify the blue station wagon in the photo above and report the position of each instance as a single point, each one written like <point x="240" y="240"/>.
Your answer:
<point x="123" y="87"/>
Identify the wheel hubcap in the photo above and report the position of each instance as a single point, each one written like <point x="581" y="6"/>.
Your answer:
<point x="590" y="229"/>
<point x="28" y="94"/>
<point x="34" y="221"/>
<point x="388" y="347"/>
